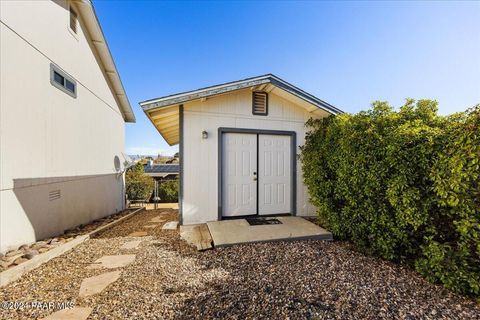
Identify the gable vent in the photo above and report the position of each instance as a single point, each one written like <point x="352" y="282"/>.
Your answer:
<point x="260" y="103"/>
<point x="54" y="195"/>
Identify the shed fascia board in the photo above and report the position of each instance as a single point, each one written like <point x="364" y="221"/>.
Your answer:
<point x="86" y="10"/>
<point x="238" y="85"/>
<point x="198" y="94"/>
<point x="305" y="95"/>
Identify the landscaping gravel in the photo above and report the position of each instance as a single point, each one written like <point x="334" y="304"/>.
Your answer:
<point x="26" y="252"/>
<point x="279" y="280"/>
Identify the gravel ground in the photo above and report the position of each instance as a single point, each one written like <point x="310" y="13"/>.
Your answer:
<point x="26" y="252"/>
<point x="296" y="280"/>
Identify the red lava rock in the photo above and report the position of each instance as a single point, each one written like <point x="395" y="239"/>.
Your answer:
<point x="23" y="247"/>
<point x="19" y="260"/>
<point x="53" y="241"/>
<point x="13" y="253"/>
<point x="4" y="265"/>
<point x="30" y="254"/>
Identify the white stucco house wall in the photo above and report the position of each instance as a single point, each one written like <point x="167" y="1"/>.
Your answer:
<point x="62" y="120"/>
<point x="239" y="146"/>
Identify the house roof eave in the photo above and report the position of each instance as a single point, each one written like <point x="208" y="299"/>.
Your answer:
<point x="87" y="11"/>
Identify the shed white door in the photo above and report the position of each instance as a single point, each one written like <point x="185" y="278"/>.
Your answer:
<point x="274" y="174"/>
<point x="239" y="182"/>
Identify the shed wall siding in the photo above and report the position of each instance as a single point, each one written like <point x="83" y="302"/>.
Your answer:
<point x="49" y="140"/>
<point x="234" y="110"/>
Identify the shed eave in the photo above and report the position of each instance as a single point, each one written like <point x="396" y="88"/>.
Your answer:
<point x="172" y="122"/>
<point x="234" y="86"/>
<point x="159" y="110"/>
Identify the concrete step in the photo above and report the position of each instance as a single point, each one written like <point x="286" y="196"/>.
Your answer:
<point x="237" y="231"/>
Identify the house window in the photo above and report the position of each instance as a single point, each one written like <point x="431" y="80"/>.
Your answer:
<point x="260" y="103"/>
<point x="62" y="81"/>
<point x="73" y="20"/>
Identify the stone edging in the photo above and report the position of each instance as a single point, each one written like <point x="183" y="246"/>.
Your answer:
<point x="16" y="272"/>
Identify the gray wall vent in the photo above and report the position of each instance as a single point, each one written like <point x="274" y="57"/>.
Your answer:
<point x="54" y="195"/>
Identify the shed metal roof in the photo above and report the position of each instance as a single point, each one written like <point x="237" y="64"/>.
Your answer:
<point x="236" y="85"/>
<point x="163" y="112"/>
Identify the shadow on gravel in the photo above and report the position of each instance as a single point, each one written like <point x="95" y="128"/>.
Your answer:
<point x="297" y="280"/>
<point x="314" y="279"/>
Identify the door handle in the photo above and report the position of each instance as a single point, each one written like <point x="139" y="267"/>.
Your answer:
<point x="254" y="176"/>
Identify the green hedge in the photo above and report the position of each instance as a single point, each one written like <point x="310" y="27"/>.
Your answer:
<point x="168" y="191"/>
<point x="403" y="185"/>
<point x="137" y="184"/>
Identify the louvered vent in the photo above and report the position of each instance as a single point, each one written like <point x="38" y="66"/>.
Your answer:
<point x="54" y="195"/>
<point x="260" y="103"/>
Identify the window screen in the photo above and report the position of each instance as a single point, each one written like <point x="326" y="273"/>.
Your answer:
<point x="61" y="80"/>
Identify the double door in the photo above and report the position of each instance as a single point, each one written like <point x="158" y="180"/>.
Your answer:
<point x="256" y="174"/>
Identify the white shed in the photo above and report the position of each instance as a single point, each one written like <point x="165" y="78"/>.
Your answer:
<point x="239" y="146"/>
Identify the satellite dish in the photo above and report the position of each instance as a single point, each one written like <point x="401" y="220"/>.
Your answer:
<point x="128" y="163"/>
<point x="116" y="163"/>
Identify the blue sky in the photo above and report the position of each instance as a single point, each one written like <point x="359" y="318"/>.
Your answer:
<point x="346" y="53"/>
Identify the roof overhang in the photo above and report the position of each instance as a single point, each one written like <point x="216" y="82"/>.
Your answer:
<point x="167" y="121"/>
<point x="89" y="17"/>
<point x="164" y="112"/>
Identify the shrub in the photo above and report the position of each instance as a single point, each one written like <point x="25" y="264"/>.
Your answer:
<point x="397" y="185"/>
<point x="138" y="185"/>
<point x="168" y="191"/>
<point x="452" y="253"/>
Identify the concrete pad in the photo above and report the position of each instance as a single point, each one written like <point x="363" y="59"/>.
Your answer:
<point x="131" y="244"/>
<point x="172" y="225"/>
<point x="230" y="232"/>
<point x="112" y="262"/>
<point x="97" y="284"/>
<point x="157" y="220"/>
<point x="76" y="313"/>
<point x="138" y="234"/>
